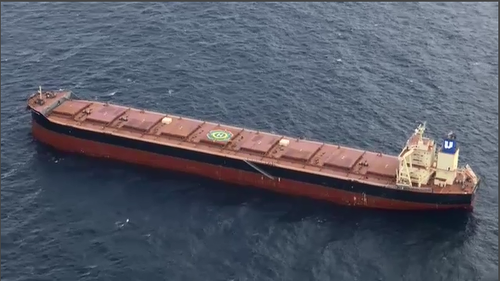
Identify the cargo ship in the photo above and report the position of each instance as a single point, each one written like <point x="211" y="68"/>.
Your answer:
<point x="424" y="176"/>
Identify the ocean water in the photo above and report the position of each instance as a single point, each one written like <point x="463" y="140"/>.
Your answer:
<point x="358" y="74"/>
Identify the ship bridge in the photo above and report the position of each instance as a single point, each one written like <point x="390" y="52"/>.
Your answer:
<point x="416" y="160"/>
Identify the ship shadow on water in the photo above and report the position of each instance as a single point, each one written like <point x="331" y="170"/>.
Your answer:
<point x="289" y="209"/>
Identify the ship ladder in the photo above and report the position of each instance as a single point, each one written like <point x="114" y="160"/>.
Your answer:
<point x="259" y="170"/>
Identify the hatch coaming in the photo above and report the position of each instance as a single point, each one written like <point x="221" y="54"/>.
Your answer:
<point x="230" y="141"/>
<point x="225" y="140"/>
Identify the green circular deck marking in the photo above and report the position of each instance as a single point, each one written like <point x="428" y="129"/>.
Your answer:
<point x="219" y="135"/>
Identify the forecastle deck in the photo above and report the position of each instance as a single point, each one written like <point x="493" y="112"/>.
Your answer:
<point x="229" y="141"/>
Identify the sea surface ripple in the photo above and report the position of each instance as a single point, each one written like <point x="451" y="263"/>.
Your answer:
<point x="359" y="74"/>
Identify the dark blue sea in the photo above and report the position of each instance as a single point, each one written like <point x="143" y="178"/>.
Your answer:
<point x="357" y="74"/>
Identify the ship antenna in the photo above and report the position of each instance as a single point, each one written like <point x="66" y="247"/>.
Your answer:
<point x="40" y="91"/>
<point x="421" y="128"/>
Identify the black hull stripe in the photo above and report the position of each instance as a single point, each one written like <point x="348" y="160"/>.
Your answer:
<point x="347" y="185"/>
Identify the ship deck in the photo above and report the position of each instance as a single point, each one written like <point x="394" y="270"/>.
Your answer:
<point x="229" y="141"/>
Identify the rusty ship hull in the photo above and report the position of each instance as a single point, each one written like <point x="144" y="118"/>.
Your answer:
<point x="233" y="155"/>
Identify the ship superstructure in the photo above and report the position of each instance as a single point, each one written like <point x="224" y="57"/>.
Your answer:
<point x="422" y="164"/>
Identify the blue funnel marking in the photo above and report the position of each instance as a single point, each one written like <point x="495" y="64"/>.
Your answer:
<point x="449" y="146"/>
